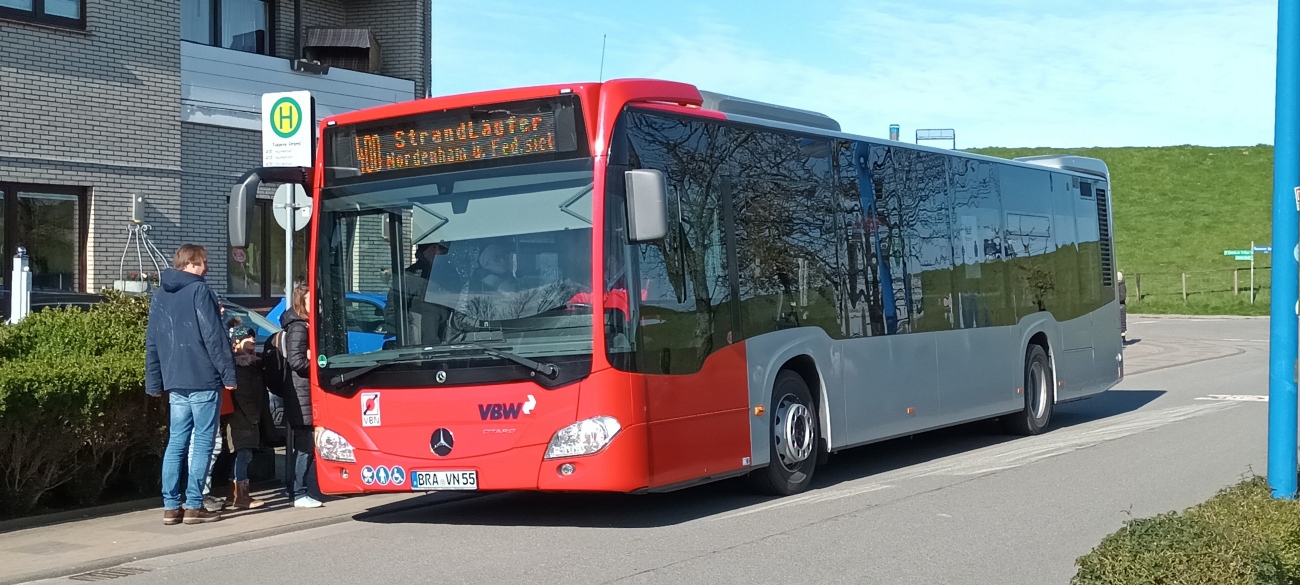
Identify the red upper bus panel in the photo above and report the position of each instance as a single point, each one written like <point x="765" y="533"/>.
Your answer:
<point x="601" y="101"/>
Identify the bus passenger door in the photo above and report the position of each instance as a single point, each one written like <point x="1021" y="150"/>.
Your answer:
<point x="687" y="341"/>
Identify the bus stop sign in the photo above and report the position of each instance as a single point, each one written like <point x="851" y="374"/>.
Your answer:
<point x="287" y="129"/>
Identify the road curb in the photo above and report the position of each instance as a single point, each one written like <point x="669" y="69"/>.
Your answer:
<point x="107" y="563"/>
<point x="1164" y="317"/>
<point x="79" y="514"/>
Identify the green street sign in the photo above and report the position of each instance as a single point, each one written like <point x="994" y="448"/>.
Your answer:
<point x="1243" y="257"/>
<point x="1236" y="253"/>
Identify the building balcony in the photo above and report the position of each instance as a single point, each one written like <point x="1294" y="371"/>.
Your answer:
<point x="223" y="87"/>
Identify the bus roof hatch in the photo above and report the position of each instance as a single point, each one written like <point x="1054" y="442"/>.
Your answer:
<point x="743" y="107"/>
<point x="1066" y="162"/>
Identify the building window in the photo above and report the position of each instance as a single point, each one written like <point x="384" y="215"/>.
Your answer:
<point x="241" y="25"/>
<point x="50" y="222"/>
<point x="64" y="13"/>
<point x="258" y="270"/>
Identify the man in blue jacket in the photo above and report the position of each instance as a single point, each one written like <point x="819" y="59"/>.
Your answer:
<point x="188" y="356"/>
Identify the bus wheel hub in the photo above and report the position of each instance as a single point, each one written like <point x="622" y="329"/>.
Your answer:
<point x="793" y="432"/>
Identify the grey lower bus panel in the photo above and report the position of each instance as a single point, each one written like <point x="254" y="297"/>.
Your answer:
<point x="946" y="378"/>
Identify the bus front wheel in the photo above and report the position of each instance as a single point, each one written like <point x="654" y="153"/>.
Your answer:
<point x="792" y="438"/>
<point x="1036" y="415"/>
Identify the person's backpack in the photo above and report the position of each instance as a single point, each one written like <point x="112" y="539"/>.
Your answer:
<point x="279" y="378"/>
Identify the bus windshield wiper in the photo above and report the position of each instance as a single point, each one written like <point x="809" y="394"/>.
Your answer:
<point x="548" y="370"/>
<point x="405" y="358"/>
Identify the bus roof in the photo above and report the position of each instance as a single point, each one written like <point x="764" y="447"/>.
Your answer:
<point x="690" y="97"/>
<point x="1069" y="162"/>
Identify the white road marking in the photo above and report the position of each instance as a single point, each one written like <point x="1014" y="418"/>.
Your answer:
<point x="808" y="498"/>
<point x="1005" y="456"/>
<point x="1235" y="398"/>
<point x="1234" y="340"/>
<point x="1018" y="453"/>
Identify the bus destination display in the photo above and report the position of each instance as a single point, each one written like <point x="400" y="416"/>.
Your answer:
<point x="426" y="141"/>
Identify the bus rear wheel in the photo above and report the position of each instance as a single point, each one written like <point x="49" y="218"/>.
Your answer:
<point x="792" y="438"/>
<point x="1037" y="413"/>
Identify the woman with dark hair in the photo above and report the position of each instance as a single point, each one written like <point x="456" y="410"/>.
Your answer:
<point x="297" y="404"/>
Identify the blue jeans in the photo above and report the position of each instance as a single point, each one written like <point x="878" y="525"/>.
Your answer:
<point x="304" y="477"/>
<point x="194" y="416"/>
<point x="242" y="458"/>
<point x="216" y="452"/>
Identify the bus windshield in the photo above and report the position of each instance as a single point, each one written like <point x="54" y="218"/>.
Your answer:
<point x="490" y="257"/>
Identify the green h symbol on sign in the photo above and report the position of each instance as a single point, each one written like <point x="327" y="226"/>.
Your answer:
<point x="286" y="117"/>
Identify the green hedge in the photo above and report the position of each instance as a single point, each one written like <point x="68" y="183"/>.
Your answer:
<point x="1240" y="536"/>
<point x="72" y="405"/>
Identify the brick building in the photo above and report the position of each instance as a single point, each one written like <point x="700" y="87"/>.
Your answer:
<point x="101" y="100"/>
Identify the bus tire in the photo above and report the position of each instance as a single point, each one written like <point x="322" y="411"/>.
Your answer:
<point x="792" y="438"/>
<point x="1037" y="413"/>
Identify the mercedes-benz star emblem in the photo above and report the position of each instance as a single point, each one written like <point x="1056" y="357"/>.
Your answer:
<point x="441" y="442"/>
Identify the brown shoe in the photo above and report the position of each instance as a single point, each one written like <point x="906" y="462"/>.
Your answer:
<point x="172" y="517"/>
<point x="201" y="516"/>
<point x="243" y="499"/>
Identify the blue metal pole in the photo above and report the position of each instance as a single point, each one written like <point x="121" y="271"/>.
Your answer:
<point x="1283" y="321"/>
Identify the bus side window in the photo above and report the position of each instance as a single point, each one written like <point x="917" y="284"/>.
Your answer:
<point x="684" y="294"/>
<point x="784" y="232"/>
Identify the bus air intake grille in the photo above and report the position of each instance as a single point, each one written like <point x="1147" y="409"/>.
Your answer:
<point x="1103" y="225"/>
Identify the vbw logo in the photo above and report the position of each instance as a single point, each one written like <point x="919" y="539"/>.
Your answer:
<point x="502" y="411"/>
<point x="499" y="411"/>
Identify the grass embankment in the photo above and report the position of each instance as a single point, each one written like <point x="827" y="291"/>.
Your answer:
<point x="1176" y="209"/>
<point x="1240" y="536"/>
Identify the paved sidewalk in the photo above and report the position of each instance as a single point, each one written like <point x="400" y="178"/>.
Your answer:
<point x="77" y="544"/>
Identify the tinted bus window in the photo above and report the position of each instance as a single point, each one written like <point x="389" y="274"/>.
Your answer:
<point x="685" y="287"/>
<point x="980" y="278"/>
<point x="1066" y="257"/>
<point x="1027" y="206"/>
<point x="861" y="303"/>
<point x="784" y="231"/>
<point x="912" y="187"/>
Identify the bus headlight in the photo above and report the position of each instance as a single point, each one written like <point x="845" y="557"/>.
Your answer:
<point x="333" y="447"/>
<point x="585" y="437"/>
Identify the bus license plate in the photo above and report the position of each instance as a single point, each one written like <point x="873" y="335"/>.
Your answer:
<point x="444" y="480"/>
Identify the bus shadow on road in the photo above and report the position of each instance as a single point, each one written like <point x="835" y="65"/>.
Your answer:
<point x="597" y="510"/>
<point x="668" y="509"/>
<point x="904" y="452"/>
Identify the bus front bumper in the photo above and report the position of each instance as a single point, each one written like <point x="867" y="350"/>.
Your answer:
<point x="620" y="467"/>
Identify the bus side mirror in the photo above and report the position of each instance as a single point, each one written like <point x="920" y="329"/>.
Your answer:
<point x="243" y="198"/>
<point x="647" y="210"/>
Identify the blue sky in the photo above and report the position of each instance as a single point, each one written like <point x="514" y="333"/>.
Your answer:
<point x="1000" y="72"/>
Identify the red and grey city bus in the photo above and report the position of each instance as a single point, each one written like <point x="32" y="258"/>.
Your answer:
<point x="638" y="286"/>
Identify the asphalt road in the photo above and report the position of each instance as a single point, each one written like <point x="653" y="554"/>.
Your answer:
<point x="963" y="505"/>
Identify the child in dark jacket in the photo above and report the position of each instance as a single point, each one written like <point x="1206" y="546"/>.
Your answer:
<point x="250" y="402"/>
